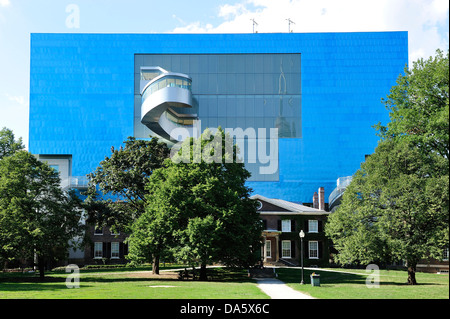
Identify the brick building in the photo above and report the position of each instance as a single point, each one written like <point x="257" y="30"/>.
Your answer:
<point x="283" y="222"/>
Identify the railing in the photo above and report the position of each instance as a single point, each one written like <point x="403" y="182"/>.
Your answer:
<point x="342" y="183"/>
<point x="78" y="182"/>
<point x="181" y="120"/>
<point x="166" y="80"/>
<point x="161" y="97"/>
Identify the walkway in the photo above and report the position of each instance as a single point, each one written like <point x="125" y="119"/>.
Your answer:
<point x="276" y="289"/>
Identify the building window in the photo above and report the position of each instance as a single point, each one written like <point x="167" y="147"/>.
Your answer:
<point x="98" y="250"/>
<point x="114" y="250"/>
<point x="286" y="249"/>
<point x="98" y="230"/>
<point x="314" y="250"/>
<point x="286" y="225"/>
<point x="313" y="226"/>
<point x="259" y="205"/>
<point x="268" y="249"/>
<point x="445" y="254"/>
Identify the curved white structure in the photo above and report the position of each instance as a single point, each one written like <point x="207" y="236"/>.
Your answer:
<point x="164" y="94"/>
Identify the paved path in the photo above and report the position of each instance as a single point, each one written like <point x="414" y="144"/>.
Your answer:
<point x="276" y="289"/>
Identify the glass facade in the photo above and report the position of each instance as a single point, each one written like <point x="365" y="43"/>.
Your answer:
<point x="166" y="81"/>
<point x="326" y="86"/>
<point x="236" y="91"/>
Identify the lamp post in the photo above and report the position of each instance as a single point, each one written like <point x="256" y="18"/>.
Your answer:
<point x="301" y="234"/>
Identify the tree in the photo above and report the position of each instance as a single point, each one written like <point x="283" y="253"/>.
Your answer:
<point x="121" y="179"/>
<point x="8" y="143"/>
<point x="199" y="208"/>
<point x="419" y="106"/>
<point x="37" y="219"/>
<point x="391" y="211"/>
<point x="397" y="205"/>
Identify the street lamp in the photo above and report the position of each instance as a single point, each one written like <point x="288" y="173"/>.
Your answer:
<point x="301" y="234"/>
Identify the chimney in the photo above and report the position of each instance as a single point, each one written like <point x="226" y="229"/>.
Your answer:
<point x="321" y="198"/>
<point x="315" y="200"/>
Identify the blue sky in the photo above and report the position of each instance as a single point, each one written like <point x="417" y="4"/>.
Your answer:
<point x="427" y="22"/>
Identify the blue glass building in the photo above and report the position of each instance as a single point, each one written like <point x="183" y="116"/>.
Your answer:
<point x="321" y="90"/>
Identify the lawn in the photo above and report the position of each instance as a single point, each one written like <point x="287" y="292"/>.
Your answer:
<point x="340" y="285"/>
<point x="113" y="284"/>
<point x="223" y="284"/>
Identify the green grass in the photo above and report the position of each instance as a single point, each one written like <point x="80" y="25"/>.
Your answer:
<point x="113" y="284"/>
<point x="340" y="285"/>
<point x="223" y="284"/>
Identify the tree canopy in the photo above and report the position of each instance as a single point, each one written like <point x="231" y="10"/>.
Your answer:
<point x="8" y="144"/>
<point x="116" y="194"/>
<point x="199" y="210"/>
<point x="419" y="106"/>
<point x="36" y="217"/>
<point x="397" y="205"/>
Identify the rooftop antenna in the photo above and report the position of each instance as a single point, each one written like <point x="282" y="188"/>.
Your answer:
<point x="289" y="22"/>
<point x="254" y="23"/>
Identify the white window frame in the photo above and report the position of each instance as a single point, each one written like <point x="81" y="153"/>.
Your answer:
<point x="98" y="250"/>
<point x="313" y="226"/>
<point x="98" y="228"/>
<point x="313" y="252"/>
<point x="285" y="247"/>
<point x="445" y="255"/>
<point x="115" y="233"/>
<point x="268" y="248"/>
<point x="115" y="248"/>
<point x="286" y="225"/>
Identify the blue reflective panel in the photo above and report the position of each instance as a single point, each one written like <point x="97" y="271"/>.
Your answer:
<point x="221" y="106"/>
<point x="83" y="86"/>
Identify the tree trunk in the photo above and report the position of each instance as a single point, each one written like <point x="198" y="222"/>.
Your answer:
<point x="155" y="265"/>
<point x="412" y="274"/>
<point x="41" y="266"/>
<point x="203" y="276"/>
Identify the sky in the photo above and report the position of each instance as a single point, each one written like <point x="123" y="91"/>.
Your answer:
<point x="427" y="23"/>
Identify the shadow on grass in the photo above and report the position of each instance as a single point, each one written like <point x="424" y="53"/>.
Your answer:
<point x="328" y="277"/>
<point x="294" y="276"/>
<point x="27" y="282"/>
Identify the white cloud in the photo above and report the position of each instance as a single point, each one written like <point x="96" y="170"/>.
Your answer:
<point x="425" y="20"/>
<point x="14" y="114"/>
<point x="194" y="27"/>
<point x="4" y="3"/>
<point x="17" y="99"/>
<point x="228" y="11"/>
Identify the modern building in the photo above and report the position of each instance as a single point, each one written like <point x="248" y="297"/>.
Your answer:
<point x="320" y="91"/>
<point x="334" y="200"/>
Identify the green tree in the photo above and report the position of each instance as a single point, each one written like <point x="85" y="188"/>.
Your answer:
<point x="199" y="208"/>
<point x="419" y="106"/>
<point x="37" y="219"/>
<point x="8" y="144"/>
<point x="397" y="205"/>
<point x="121" y="180"/>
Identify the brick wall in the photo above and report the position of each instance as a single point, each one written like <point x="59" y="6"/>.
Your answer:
<point x="112" y="249"/>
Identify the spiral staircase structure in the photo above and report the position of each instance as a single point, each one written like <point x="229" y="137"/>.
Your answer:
<point x="165" y="97"/>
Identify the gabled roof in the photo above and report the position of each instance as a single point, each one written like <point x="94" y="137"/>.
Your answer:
<point x="291" y="207"/>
